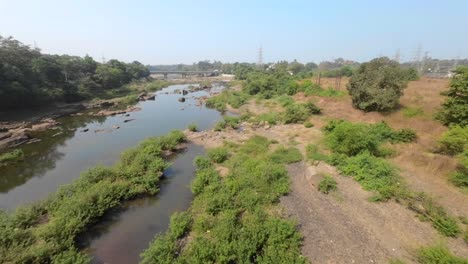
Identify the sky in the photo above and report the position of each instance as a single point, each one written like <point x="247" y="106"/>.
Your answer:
<point x="172" y="31"/>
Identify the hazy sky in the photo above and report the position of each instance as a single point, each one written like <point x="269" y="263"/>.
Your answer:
<point x="167" y="32"/>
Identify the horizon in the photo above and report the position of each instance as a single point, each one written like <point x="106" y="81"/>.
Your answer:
<point x="184" y="32"/>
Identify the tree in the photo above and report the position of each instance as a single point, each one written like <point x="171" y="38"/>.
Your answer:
<point x="455" y="108"/>
<point x="377" y="85"/>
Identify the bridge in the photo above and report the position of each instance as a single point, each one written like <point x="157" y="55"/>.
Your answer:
<point x="187" y="73"/>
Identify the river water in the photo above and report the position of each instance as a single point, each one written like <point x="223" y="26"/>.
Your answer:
<point x="59" y="160"/>
<point x="56" y="160"/>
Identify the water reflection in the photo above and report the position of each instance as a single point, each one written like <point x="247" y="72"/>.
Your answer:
<point x="58" y="160"/>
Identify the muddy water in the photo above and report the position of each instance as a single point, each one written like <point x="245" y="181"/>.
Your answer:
<point x="59" y="160"/>
<point x="123" y="235"/>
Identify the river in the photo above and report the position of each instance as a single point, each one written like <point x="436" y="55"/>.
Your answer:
<point x="125" y="232"/>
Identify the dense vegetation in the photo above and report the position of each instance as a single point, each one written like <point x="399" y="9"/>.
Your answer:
<point x="455" y="108"/>
<point x="454" y="113"/>
<point x="378" y="85"/>
<point x="232" y="218"/>
<point x="30" y="78"/>
<point x="46" y="232"/>
<point x="357" y="151"/>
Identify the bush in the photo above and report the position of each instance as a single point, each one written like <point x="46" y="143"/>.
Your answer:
<point x="438" y="254"/>
<point x="286" y="155"/>
<point x="405" y="135"/>
<point x="327" y="185"/>
<point x="314" y="154"/>
<point x="220" y="125"/>
<point x="233" y="98"/>
<point x="218" y="155"/>
<point x="192" y="127"/>
<point x="312" y="108"/>
<point x="460" y="177"/>
<point x="271" y="118"/>
<point x="377" y="85"/>
<point x="179" y="224"/>
<point x="455" y="108"/>
<point x="308" y="124"/>
<point x="454" y="141"/>
<point x="373" y="173"/>
<point x="231" y="216"/>
<point x="412" y="112"/>
<point x="296" y="113"/>
<point x="11" y="157"/>
<point x="354" y="138"/>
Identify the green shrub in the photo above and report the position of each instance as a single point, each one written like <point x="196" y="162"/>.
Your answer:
<point x="429" y="210"/>
<point x="353" y="138"/>
<point x="11" y="157"/>
<point x="412" y="112"/>
<point x="233" y="98"/>
<point x="202" y="163"/>
<point x="438" y="254"/>
<point x="460" y="176"/>
<point x="192" y="127"/>
<point x="455" y="108"/>
<point x="271" y="118"/>
<point x="285" y="100"/>
<point x="308" y="124"/>
<point x="373" y="173"/>
<point x="180" y="224"/>
<point x="220" y="125"/>
<point x="314" y="154"/>
<point x="231" y="216"/>
<point x="454" y="141"/>
<point x="296" y="113"/>
<point x="312" y="108"/>
<point x="218" y="155"/>
<point x="286" y="155"/>
<point x="128" y="100"/>
<point x="377" y="85"/>
<point x="405" y="135"/>
<point x="327" y="185"/>
<point x="232" y="121"/>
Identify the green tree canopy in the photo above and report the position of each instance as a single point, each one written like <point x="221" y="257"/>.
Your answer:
<point x="377" y="85"/>
<point x="455" y="108"/>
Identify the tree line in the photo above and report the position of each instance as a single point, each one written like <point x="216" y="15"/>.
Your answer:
<point x="29" y="78"/>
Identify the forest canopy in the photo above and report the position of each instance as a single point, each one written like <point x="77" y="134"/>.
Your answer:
<point x="29" y="78"/>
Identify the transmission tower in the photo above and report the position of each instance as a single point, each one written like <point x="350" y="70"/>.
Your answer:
<point x="260" y="56"/>
<point x="397" y="56"/>
<point x="417" y="58"/>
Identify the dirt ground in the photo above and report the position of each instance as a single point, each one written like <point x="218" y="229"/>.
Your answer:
<point x="345" y="227"/>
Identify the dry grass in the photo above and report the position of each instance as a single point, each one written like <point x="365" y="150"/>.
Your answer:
<point x="424" y="170"/>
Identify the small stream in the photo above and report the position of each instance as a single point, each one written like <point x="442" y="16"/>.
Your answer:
<point x="59" y="160"/>
<point x="124" y="234"/>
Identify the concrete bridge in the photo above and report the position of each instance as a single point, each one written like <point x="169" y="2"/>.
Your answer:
<point x="187" y="73"/>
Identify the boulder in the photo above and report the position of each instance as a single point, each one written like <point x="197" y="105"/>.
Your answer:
<point x="182" y="99"/>
<point x="184" y="92"/>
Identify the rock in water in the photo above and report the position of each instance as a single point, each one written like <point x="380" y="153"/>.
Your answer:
<point x="182" y="99"/>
